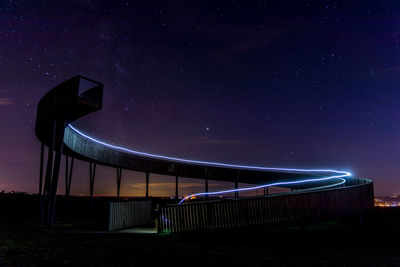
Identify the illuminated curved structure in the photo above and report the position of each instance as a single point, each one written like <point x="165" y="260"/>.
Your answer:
<point x="79" y="96"/>
<point x="85" y="146"/>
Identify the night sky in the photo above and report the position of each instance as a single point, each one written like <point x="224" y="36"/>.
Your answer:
<point x="306" y="84"/>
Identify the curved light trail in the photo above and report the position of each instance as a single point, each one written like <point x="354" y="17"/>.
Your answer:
<point x="339" y="175"/>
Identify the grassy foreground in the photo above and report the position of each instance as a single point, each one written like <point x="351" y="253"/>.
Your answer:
<point x="374" y="243"/>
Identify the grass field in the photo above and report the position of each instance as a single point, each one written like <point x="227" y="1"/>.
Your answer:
<point x="374" y="243"/>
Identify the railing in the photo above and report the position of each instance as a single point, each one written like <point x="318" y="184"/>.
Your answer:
<point x="292" y="207"/>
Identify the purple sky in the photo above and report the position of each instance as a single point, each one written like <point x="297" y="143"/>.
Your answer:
<point x="310" y="84"/>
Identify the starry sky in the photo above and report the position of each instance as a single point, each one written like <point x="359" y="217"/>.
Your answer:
<point x="306" y="84"/>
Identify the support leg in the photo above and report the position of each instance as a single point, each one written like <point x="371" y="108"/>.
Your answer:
<point x="147" y="184"/>
<point x="206" y="187"/>
<point x="206" y="182"/>
<point x="47" y="180"/>
<point x="60" y="126"/>
<point x="41" y="170"/>
<point x="236" y="187"/>
<point x="68" y="178"/>
<point x="92" y="175"/>
<point x="236" y="195"/>
<point x="265" y="191"/>
<point x="176" y="187"/>
<point x="66" y="174"/>
<point x="119" y="175"/>
<point x="41" y="176"/>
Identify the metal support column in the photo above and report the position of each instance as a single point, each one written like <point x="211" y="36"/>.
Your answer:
<point x="147" y="184"/>
<point x="265" y="191"/>
<point x="41" y="170"/>
<point x="47" y="180"/>
<point x="68" y="175"/>
<point x="206" y="183"/>
<point x="176" y="187"/>
<point x="68" y="179"/>
<point x="41" y="176"/>
<point x="119" y="175"/>
<point x="236" y="186"/>
<point x="60" y="126"/>
<point x="92" y="176"/>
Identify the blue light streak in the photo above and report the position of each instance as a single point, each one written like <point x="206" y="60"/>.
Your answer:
<point x="339" y="177"/>
<point x="340" y="174"/>
<point x="206" y="163"/>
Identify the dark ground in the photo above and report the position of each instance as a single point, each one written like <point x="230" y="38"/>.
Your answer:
<point x="334" y="243"/>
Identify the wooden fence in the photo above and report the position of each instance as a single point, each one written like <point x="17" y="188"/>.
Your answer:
<point x="294" y="207"/>
<point x="128" y="214"/>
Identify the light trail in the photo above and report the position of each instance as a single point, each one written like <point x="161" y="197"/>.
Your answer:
<point x="340" y="176"/>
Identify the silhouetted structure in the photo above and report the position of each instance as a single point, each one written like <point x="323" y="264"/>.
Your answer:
<point x="80" y="96"/>
<point x="62" y="105"/>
